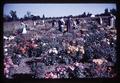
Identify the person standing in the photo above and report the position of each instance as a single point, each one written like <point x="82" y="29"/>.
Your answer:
<point x="69" y="24"/>
<point x="61" y="24"/>
<point x="112" y="21"/>
<point x="101" y="21"/>
<point x="53" y="23"/>
<point x="34" y="24"/>
<point x="23" y="26"/>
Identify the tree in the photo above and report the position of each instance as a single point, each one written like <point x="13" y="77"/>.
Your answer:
<point x="43" y="16"/>
<point x="7" y="18"/>
<point x="83" y="15"/>
<point x="28" y="14"/>
<point x="32" y="16"/>
<point x="106" y="11"/>
<point x="88" y="15"/>
<point x="113" y="11"/>
<point x="13" y="14"/>
<point x="25" y="17"/>
<point x="70" y="16"/>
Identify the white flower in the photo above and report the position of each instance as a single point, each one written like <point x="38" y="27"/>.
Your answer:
<point x="5" y="49"/>
<point x="11" y="37"/>
<point x="55" y="51"/>
<point x="62" y="25"/>
<point x="87" y="35"/>
<point x="98" y="61"/>
<point x="50" y="51"/>
<point x="54" y="76"/>
<point x="76" y="64"/>
<point x="44" y="44"/>
<point x="6" y="54"/>
<point x="32" y="39"/>
<point x="114" y="38"/>
<point x="5" y="37"/>
<point x="82" y="49"/>
<point x="60" y="56"/>
<point x="108" y="42"/>
<point x="72" y="67"/>
<point x="19" y="56"/>
<point x="6" y="46"/>
<point x="81" y="39"/>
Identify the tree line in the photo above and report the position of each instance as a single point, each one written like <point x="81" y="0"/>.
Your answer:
<point x="28" y="16"/>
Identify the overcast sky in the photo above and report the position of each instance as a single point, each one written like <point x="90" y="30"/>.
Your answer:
<point x="55" y="10"/>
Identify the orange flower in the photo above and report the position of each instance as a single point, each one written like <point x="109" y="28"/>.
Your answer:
<point x="82" y="50"/>
<point x="23" y="50"/>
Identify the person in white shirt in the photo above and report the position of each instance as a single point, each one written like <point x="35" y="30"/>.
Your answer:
<point x="112" y="21"/>
<point x="101" y="21"/>
<point x="24" y="31"/>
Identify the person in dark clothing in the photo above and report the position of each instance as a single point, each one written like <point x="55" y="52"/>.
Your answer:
<point x="53" y="23"/>
<point x="39" y="51"/>
<point x="61" y="24"/>
<point x="99" y="20"/>
<point x="77" y="21"/>
<point x="69" y="24"/>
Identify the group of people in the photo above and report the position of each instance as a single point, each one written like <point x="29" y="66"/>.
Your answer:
<point x="86" y="50"/>
<point x="68" y="25"/>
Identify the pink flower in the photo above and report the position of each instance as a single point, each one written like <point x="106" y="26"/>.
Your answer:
<point x="7" y="66"/>
<point x="6" y="71"/>
<point x="54" y="76"/>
